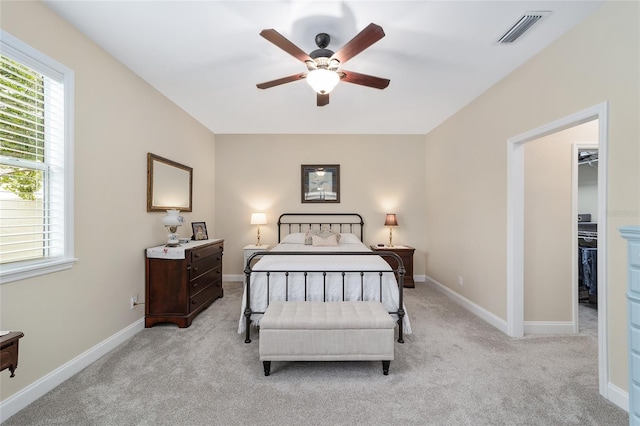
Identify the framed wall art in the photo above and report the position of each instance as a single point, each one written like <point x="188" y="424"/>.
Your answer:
<point x="320" y="183"/>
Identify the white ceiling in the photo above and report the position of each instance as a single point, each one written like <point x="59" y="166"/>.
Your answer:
<point x="207" y="56"/>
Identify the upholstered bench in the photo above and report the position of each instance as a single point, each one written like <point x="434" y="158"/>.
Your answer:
<point x="326" y="331"/>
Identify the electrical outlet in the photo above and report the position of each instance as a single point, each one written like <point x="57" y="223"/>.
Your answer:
<point x="460" y="281"/>
<point x="134" y="301"/>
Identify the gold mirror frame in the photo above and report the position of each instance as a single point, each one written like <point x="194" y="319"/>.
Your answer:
<point x="169" y="185"/>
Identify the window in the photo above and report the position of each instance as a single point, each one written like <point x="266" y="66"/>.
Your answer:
<point x="36" y="162"/>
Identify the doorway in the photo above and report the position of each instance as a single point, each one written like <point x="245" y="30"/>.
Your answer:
<point x="553" y="269"/>
<point x="515" y="227"/>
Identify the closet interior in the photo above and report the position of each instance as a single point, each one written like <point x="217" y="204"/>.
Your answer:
<point x="588" y="227"/>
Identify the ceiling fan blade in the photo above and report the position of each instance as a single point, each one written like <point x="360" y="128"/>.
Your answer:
<point x="361" y="41"/>
<point x="322" y="99"/>
<point x="282" y="80"/>
<point x="279" y="40"/>
<point x="365" y="80"/>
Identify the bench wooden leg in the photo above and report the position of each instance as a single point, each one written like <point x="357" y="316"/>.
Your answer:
<point x="385" y="367"/>
<point x="267" y="367"/>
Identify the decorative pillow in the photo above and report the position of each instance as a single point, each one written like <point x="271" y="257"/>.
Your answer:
<point x="294" y="238"/>
<point x="349" y="239"/>
<point x="319" y="241"/>
<point x="307" y="236"/>
<point x="323" y="233"/>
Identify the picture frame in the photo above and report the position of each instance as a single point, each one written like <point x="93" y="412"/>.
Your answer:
<point x="199" y="231"/>
<point x="320" y="183"/>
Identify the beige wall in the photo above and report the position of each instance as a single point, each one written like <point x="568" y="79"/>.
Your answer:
<point x="378" y="174"/>
<point x="118" y="119"/>
<point x="466" y="161"/>
<point x="549" y="243"/>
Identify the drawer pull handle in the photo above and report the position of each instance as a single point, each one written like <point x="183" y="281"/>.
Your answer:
<point x="195" y="269"/>
<point x="195" y="285"/>
<point x="193" y="302"/>
<point x="196" y="255"/>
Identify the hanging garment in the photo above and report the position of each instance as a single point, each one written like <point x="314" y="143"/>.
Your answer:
<point x="588" y="269"/>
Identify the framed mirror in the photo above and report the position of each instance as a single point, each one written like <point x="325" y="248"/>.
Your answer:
<point x="169" y="185"/>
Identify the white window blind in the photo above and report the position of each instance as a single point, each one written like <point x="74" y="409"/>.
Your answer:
<point x="35" y="166"/>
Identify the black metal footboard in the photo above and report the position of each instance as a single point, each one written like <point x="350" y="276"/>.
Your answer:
<point x="326" y="277"/>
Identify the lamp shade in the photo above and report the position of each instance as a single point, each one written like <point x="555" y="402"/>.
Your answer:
<point x="322" y="80"/>
<point x="258" y="218"/>
<point x="391" y="220"/>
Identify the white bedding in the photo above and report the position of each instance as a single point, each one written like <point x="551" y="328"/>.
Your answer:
<point x="315" y="280"/>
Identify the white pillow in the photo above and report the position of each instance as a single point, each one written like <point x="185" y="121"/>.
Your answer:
<point x="349" y="239"/>
<point x="295" y="238"/>
<point x="330" y="241"/>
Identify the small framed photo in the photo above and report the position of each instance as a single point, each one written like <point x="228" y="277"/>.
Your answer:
<point x="199" y="231"/>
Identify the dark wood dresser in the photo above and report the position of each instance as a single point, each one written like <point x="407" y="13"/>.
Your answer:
<point x="406" y="254"/>
<point x="178" y="289"/>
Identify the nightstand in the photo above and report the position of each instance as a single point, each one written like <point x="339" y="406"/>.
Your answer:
<point x="406" y="254"/>
<point x="249" y="250"/>
<point x="9" y="351"/>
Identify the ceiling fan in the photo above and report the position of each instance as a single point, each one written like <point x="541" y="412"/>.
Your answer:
<point x="323" y="65"/>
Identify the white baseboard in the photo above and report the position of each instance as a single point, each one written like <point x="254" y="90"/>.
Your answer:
<point x="618" y="396"/>
<point x="35" y="390"/>
<point x="545" y="327"/>
<point x="477" y="310"/>
<point x="233" y="278"/>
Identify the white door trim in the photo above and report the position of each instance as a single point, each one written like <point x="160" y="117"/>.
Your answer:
<point x="515" y="226"/>
<point x="575" y="149"/>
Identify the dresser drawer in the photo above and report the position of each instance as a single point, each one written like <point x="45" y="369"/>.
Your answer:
<point x="634" y="339"/>
<point x="634" y="254"/>
<point x="634" y="280"/>
<point x="9" y="356"/>
<point x="204" y="265"/>
<point x="208" y="278"/>
<point x="198" y="254"/>
<point x="201" y="297"/>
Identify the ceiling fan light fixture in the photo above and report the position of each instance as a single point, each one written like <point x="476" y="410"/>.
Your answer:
<point x="322" y="80"/>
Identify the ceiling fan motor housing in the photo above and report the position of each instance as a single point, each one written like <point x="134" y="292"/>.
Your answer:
<point x="322" y="40"/>
<point x="321" y="55"/>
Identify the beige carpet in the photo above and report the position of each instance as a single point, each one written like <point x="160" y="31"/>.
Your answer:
<point x="453" y="370"/>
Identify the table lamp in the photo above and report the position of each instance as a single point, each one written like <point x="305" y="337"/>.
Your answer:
<point x="391" y="221"/>
<point x="171" y="221"/>
<point x="258" y="219"/>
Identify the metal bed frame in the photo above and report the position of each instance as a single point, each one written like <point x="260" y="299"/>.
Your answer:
<point x="337" y="222"/>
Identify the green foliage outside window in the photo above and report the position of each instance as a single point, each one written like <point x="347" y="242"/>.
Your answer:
<point x="21" y="127"/>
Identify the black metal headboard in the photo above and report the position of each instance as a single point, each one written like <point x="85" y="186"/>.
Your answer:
<point x="289" y="223"/>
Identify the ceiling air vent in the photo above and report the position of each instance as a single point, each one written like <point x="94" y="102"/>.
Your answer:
<point x="525" y="22"/>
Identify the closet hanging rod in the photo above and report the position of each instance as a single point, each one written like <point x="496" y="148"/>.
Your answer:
<point x="589" y="162"/>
